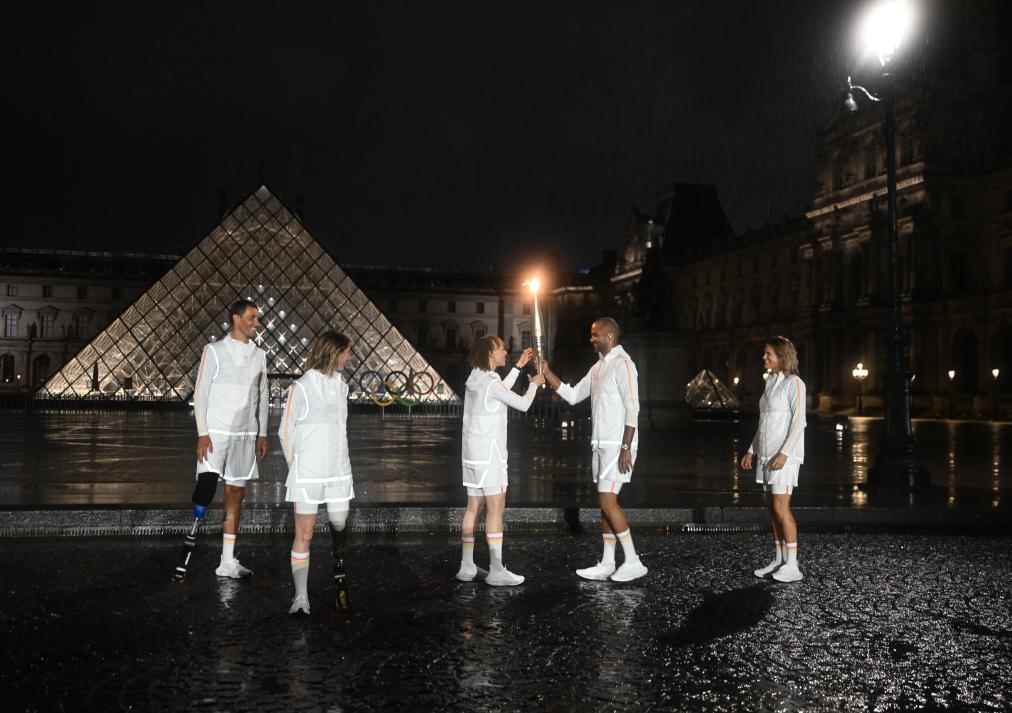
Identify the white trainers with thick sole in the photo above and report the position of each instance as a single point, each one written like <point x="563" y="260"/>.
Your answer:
<point x="503" y="578"/>
<point x="232" y="569"/>
<point x="630" y="570"/>
<point x="469" y="574"/>
<point x="788" y="573"/>
<point x="599" y="572"/>
<point x="768" y="569"/>
<point x="299" y="604"/>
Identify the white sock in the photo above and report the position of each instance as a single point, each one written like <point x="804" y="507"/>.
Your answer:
<point x="227" y="548"/>
<point x="627" y="545"/>
<point x="467" y="550"/>
<point x="781" y="551"/>
<point x="608" y="555"/>
<point x="494" y="540"/>
<point x="792" y="553"/>
<point x="300" y="573"/>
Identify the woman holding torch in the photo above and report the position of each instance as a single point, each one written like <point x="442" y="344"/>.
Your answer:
<point x="486" y="399"/>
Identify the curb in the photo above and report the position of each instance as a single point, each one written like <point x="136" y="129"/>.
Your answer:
<point x="277" y="519"/>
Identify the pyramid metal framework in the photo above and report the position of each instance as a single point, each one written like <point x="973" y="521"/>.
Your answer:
<point x="260" y="251"/>
<point x="706" y="392"/>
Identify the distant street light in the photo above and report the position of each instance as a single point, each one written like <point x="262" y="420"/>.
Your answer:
<point x="952" y="393"/>
<point x="860" y="373"/>
<point x="883" y="30"/>
<point x="994" y="393"/>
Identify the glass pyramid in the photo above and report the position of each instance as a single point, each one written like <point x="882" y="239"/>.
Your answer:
<point x="260" y="251"/>
<point x="706" y="392"/>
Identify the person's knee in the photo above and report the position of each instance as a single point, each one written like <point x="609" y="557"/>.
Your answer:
<point x="338" y="519"/>
<point x="203" y="493"/>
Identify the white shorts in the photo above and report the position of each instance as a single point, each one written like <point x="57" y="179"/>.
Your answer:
<point x="312" y="496"/>
<point x="609" y="486"/>
<point x="778" y="482"/>
<point x="233" y="458"/>
<point x="482" y="480"/>
<point x="313" y="508"/>
<point x="604" y="465"/>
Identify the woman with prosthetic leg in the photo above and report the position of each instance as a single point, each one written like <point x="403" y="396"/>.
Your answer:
<point x="230" y="407"/>
<point x="486" y="399"/>
<point x="314" y="438"/>
<point x="778" y="451"/>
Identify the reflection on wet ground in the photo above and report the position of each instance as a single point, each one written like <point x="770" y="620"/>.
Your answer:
<point x="145" y="459"/>
<point x="880" y="622"/>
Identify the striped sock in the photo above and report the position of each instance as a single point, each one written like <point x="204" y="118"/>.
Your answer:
<point x="792" y="553"/>
<point x="227" y="548"/>
<point x="608" y="556"/>
<point x="467" y="550"/>
<point x="300" y="573"/>
<point x="494" y="540"/>
<point x="627" y="545"/>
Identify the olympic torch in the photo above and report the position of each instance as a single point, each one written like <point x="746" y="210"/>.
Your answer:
<point x="539" y="349"/>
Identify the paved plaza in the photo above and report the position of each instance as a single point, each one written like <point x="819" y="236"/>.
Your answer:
<point x="881" y="622"/>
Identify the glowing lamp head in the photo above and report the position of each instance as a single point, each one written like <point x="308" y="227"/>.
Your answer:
<point x="995" y="373"/>
<point x="952" y="374"/>
<point x="885" y="26"/>
<point x="534" y="284"/>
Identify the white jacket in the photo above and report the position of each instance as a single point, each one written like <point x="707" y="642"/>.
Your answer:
<point x="483" y="444"/>
<point x="314" y="430"/>
<point x="230" y="394"/>
<point x="781" y="419"/>
<point x="613" y="387"/>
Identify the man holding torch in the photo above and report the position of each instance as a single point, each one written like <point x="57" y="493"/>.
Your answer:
<point x="613" y="389"/>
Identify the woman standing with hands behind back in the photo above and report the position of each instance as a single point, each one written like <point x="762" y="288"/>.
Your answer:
<point x="779" y="449"/>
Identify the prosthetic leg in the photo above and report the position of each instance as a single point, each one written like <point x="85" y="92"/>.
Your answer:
<point x="339" y="537"/>
<point x="203" y="494"/>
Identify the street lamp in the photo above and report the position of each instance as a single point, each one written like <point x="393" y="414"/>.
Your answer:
<point x="898" y="465"/>
<point x="952" y="393"/>
<point x="994" y="393"/>
<point x="860" y="373"/>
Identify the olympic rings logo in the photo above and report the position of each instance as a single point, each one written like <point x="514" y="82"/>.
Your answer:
<point x="406" y="388"/>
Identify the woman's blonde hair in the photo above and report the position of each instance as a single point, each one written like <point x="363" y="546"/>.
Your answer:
<point x="787" y="355"/>
<point x="481" y="352"/>
<point x="326" y="348"/>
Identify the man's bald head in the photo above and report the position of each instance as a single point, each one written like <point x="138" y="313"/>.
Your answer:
<point x="609" y="326"/>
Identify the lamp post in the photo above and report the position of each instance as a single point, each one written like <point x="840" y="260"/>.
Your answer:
<point x="994" y="393"/>
<point x="898" y="465"/>
<point x="952" y="393"/>
<point x="860" y="373"/>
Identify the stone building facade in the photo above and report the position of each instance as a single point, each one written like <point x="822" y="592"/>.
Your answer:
<point x="53" y="302"/>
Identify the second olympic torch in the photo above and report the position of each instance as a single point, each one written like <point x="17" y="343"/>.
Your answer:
<point x="539" y="349"/>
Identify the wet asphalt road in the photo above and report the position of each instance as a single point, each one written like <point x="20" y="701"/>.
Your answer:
<point x="881" y="622"/>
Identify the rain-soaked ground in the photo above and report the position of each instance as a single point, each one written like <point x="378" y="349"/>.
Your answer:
<point x="881" y="622"/>
<point x="146" y="459"/>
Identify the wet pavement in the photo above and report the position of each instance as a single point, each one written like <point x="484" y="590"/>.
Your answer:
<point x="881" y="622"/>
<point x="144" y="459"/>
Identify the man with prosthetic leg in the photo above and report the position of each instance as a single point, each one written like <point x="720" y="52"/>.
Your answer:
<point x="230" y="407"/>
<point x="613" y="387"/>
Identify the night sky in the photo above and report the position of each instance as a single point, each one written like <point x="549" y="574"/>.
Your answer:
<point x="445" y="134"/>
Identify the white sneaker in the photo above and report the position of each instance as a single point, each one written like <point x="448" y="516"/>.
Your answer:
<point x="503" y="578"/>
<point x="232" y="569"/>
<point x="599" y="572"/>
<point x="788" y="573"/>
<point x="299" y="604"/>
<point x="768" y="569"/>
<point x="630" y="570"/>
<point x="469" y="574"/>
